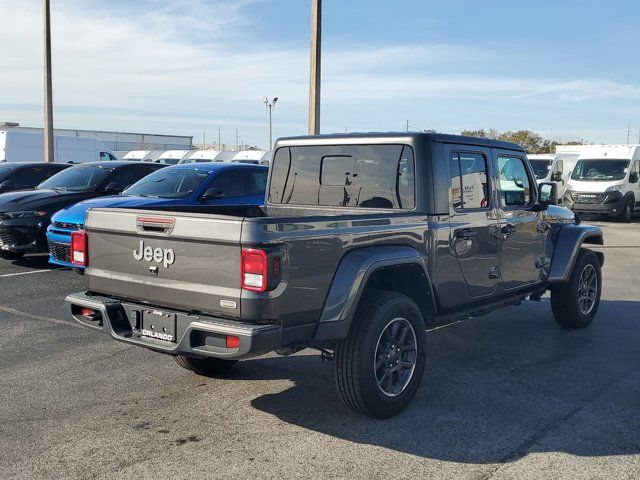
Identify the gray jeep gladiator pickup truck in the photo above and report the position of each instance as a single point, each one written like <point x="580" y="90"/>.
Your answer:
<point x="364" y="242"/>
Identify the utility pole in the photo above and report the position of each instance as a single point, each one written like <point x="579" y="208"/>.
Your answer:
<point x="49" y="151"/>
<point x="219" y="137"/>
<point x="270" y="104"/>
<point x="237" y="144"/>
<point x="628" y="134"/>
<point x="407" y="126"/>
<point x="316" y="63"/>
<point x="204" y="140"/>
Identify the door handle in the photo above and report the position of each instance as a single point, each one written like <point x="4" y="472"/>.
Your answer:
<point x="508" y="230"/>
<point x="465" y="234"/>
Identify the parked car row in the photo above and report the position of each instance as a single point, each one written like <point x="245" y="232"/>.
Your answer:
<point x="41" y="218"/>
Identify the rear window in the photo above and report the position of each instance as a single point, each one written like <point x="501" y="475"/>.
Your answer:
<point x="364" y="176"/>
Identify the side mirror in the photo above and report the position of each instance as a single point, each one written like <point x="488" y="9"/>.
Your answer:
<point x="7" y="185"/>
<point x="212" y="194"/>
<point x="114" y="187"/>
<point x="547" y="194"/>
<point x="633" y="178"/>
<point x="556" y="177"/>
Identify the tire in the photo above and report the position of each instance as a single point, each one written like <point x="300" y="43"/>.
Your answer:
<point x="368" y="344"/>
<point x="8" y="255"/>
<point x="205" y="366"/>
<point x="568" y="310"/>
<point x="627" y="214"/>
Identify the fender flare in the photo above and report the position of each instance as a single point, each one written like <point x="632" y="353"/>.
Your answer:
<point x="568" y="243"/>
<point x="350" y="280"/>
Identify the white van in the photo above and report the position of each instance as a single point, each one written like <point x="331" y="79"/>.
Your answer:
<point x="553" y="168"/>
<point x="143" y="155"/>
<point x="172" y="157"/>
<point x="605" y="181"/>
<point x="204" y="156"/>
<point x="258" y="157"/>
<point x="29" y="147"/>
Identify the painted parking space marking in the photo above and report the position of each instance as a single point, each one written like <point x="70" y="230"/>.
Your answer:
<point x="30" y="273"/>
<point x="32" y="316"/>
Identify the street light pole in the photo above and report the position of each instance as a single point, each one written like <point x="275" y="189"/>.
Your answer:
<point x="48" y="101"/>
<point x="270" y="104"/>
<point x="316" y="63"/>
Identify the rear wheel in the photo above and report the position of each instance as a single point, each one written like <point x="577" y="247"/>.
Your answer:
<point x="7" y="255"/>
<point x="205" y="366"/>
<point x="575" y="303"/>
<point x="378" y="367"/>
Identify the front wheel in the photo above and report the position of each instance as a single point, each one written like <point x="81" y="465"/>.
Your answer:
<point x="210" y="367"/>
<point x="378" y="367"/>
<point x="7" y="255"/>
<point x="575" y="303"/>
<point x="627" y="213"/>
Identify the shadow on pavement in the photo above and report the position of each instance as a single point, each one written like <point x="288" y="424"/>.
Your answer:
<point x="495" y="389"/>
<point x="35" y="261"/>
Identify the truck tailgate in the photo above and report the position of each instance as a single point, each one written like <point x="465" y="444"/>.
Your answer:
<point x="186" y="261"/>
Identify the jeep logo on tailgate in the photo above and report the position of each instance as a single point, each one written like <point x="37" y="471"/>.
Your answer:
<point x="164" y="256"/>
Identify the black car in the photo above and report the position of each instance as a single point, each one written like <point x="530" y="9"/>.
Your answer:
<point x="25" y="214"/>
<point x="24" y="175"/>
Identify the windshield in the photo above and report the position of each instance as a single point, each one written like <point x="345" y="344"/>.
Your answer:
<point x="600" y="170"/>
<point x="540" y="168"/>
<point x="169" y="161"/>
<point x="169" y="183"/>
<point x="82" y="178"/>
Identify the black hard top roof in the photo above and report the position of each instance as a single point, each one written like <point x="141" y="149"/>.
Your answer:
<point x="14" y="165"/>
<point x="400" y="137"/>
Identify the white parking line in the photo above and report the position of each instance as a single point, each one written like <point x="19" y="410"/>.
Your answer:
<point x="29" y="273"/>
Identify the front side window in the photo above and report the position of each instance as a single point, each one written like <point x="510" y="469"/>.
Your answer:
<point x="107" y="157"/>
<point x="600" y="170"/>
<point x="540" y="168"/>
<point x="515" y="187"/>
<point x="469" y="187"/>
<point x="358" y="176"/>
<point x="169" y="182"/>
<point x="77" y="179"/>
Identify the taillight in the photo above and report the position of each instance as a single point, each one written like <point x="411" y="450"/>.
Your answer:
<point x="79" y="248"/>
<point x="254" y="270"/>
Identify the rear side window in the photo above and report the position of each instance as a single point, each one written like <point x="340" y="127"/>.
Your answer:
<point x="234" y="183"/>
<point x="29" y="177"/>
<point x="364" y="176"/>
<point x="127" y="176"/>
<point x="469" y="187"/>
<point x="258" y="183"/>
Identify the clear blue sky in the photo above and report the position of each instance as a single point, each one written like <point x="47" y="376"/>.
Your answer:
<point x="567" y="69"/>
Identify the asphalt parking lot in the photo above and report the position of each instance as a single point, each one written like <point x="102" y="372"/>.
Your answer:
<point x="508" y="395"/>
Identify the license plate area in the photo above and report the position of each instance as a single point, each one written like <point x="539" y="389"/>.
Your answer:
<point x="158" y="325"/>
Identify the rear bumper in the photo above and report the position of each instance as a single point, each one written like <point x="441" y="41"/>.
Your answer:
<point x="196" y="335"/>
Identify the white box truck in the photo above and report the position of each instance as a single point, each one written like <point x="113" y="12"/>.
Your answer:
<point x="605" y="181"/>
<point x="16" y="146"/>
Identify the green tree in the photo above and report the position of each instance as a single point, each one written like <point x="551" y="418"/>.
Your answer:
<point x="530" y="141"/>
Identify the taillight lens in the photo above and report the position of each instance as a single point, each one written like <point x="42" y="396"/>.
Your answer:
<point x="79" y="248"/>
<point x="254" y="270"/>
